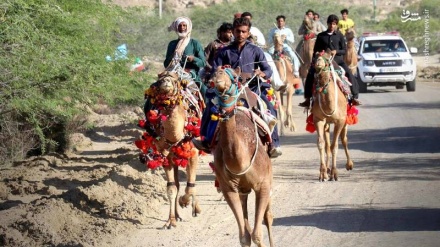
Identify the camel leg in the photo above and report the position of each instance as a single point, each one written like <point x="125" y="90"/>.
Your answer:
<point x="190" y="191"/>
<point x="280" y="110"/>
<point x="233" y="200"/>
<point x="334" y="147"/>
<point x="321" y="144"/>
<point x="268" y="221"/>
<point x="262" y="198"/>
<point x="344" y="140"/>
<point x="172" y="192"/>
<point x="328" y="153"/>
<point x="289" y="123"/>
<point x="244" y="203"/>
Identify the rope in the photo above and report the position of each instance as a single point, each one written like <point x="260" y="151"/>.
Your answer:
<point x="254" y="155"/>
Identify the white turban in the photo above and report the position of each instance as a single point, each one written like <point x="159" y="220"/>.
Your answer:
<point x="175" y="24"/>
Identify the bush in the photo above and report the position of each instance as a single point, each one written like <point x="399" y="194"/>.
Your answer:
<point x="53" y="65"/>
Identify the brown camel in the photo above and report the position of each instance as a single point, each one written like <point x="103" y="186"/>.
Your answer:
<point x="175" y="109"/>
<point x="285" y="69"/>
<point x="350" y="57"/>
<point x="306" y="51"/>
<point x="329" y="107"/>
<point x="241" y="161"/>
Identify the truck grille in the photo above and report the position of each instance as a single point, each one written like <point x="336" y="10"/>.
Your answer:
<point x="388" y="63"/>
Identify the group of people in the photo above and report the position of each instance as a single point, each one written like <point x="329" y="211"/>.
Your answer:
<point x="240" y="45"/>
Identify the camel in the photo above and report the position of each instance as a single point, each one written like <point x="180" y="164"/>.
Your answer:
<point x="329" y="107"/>
<point x="241" y="160"/>
<point x="175" y="111"/>
<point x="306" y="51"/>
<point x="350" y="57"/>
<point x="285" y="69"/>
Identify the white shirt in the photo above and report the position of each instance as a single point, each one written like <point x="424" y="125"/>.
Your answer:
<point x="286" y="31"/>
<point x="261" y="41"/>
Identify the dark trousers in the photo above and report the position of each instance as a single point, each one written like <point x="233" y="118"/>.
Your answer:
<point x="308" y="88"/>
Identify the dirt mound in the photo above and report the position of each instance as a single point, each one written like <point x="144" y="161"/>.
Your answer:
<point x="430" y="72"/>
<point x="98" y="190"/>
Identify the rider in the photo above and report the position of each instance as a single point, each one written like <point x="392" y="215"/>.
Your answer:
<point x="317" y="28"/>
<point x="224" y="38"/>
<point x="318" y="22"/>
<point x="345" y="23"/>
<point x="258" y="39"/>
<point x="331" y="39"/>
<point x="184" y="50"/>
<point x="251" y="60"/>
<point x="282" y="29"/>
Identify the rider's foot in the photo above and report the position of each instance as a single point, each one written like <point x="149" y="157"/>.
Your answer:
<point x="306" y="103"/>
<point x="355" y="102"/>
<point x="275" y="152"/>
<point x="201" y="145"/>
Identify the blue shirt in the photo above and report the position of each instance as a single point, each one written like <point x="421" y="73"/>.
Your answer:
<point x="249" y="59"/>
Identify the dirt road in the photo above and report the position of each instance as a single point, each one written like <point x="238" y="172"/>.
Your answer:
<point x="100" y="195"/>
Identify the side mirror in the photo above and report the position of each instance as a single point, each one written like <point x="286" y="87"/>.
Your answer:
<point x="413" y="50"/>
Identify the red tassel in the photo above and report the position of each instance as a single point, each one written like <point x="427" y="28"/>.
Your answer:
<point x="310" y="127"/>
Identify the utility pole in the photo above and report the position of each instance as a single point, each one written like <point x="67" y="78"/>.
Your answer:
<point x="160" y="9"/>
<point x="374" y="10"/>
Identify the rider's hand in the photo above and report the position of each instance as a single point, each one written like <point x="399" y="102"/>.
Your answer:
<point x="333" y="53"/>
<point x="190" y="58"/>
<point x="259" y="73"/>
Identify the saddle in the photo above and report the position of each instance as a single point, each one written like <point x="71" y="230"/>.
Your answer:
<point x="250" y="103"/>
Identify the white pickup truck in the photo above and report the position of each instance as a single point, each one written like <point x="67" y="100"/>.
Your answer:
<point x="385" y="60"/>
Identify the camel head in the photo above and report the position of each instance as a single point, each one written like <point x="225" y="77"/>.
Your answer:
<point x="168" y="83"/>
<point x="322" y="64"/>
<point x="223" y="78"/>
<point x="278" y="40"/>
<point x="350" y="34"/>
<point x="308" y="23"/>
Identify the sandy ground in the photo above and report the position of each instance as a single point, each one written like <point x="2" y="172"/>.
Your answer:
<point x="101" y="195"/>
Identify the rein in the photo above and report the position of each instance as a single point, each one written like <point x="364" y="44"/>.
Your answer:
<point x="254" y="155"/>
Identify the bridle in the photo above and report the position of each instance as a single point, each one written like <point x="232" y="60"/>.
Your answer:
<point x="322" y="89"/>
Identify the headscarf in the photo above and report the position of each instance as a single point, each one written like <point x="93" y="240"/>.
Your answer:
<point x="183" y="37"/>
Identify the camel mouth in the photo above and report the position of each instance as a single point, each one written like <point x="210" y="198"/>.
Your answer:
<point x="220" y="85"/>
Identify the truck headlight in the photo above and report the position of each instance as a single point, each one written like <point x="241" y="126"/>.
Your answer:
<point x="407" y="61"/>
<point x="368" y="63"/>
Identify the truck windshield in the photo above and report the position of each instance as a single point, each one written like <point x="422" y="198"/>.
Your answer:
<point x="371" y="46"/>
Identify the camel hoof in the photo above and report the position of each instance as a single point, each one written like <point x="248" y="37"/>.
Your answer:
<point x="349" y="166"/>
<point x="182" y="203"/>
<point x="196" y="209"/>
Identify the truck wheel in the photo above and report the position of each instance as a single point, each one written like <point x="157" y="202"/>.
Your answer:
<point x="411" y="86"/>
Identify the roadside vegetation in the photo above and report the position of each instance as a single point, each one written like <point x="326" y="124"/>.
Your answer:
<point x="53" y="68"/>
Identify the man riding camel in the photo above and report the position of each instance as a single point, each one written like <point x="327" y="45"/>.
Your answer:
<point x="283" y="30"/>
<point x="252" y="62"/>
<point x="333" y="40"/>
<point x="184" y="50"/>
<point x="258" y="39"/>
